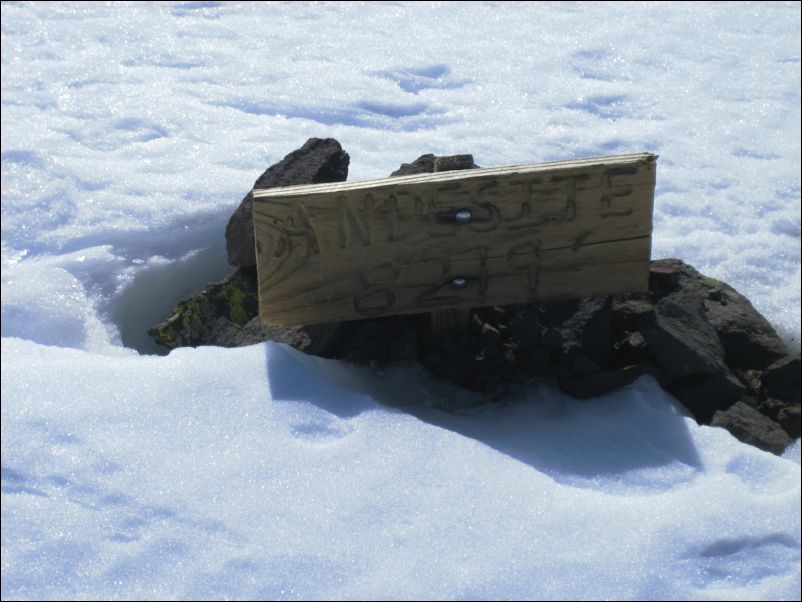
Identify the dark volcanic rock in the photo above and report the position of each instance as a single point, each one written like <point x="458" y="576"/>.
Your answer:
<point x="631" y="348"/>
<point x="749" y="341"/>
<point x="790" y="419"/>
<point x="233" y="301"/>
<point x="664" y="277"/>
<point x="704" y="394"/>
<point x="454" y="163"/>
<point x="750" y="426"/>
<point x="225" y="314"/>
<point x="584" y="366"/>
<point x="751" y="379"/>
<point x="627" y="311"/>
<point x="578" y="327"/>
<point x="430" y="164"/>
<point x="423" y="164"/>
<point x="316" y="162"/>
<point x="683" y="342"/>
<point x="600" y="383"/>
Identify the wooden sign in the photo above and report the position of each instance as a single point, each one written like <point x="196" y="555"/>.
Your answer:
<point x="457" y="239"/>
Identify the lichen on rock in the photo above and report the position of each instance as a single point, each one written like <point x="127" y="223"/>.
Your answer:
<point x="194" y="320"/>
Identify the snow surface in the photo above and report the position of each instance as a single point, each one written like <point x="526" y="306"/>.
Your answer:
<point x="129" y="134"/>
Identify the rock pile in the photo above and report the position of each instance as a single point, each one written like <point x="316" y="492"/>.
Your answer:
<point x="703" y="341"/>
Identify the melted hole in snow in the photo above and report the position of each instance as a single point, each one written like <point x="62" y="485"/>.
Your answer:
<point x="155" y="291"/>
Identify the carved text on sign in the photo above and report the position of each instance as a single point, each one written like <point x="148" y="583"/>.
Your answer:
<point x="428" y="242"/>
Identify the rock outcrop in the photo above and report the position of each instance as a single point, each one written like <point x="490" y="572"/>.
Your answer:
<point x="698" y="337"/>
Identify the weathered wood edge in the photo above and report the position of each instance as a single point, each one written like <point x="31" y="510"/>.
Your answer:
<point x="260" y="195"/>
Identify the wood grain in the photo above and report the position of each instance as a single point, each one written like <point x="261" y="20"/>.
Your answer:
<point x="344" y="251"/>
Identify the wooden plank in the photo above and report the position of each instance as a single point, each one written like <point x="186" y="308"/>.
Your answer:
<point x="344" y="251"/>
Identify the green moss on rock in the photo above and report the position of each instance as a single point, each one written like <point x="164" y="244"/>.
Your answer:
<point x="234" y="299"/>
<point x="238" y="306"/>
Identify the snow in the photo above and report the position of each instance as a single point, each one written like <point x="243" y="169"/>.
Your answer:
<point x="130" y="132"/>
<point x="296" y="482"/>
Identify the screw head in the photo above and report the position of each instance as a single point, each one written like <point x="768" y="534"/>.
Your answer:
<point x="459" y="282"/>
<point x="463" y="216"/>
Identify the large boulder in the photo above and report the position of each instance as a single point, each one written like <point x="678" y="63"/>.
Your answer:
<point x="316" y="162"/>
<point x="714" y="344"/>
<point x="748" y="340"/>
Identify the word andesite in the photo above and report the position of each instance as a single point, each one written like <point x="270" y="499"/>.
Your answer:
<point x="469" y="238"/>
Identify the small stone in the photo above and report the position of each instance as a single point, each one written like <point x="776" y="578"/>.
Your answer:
<point x="631" y="349"/>
<point x="664" y="276"/>
<point x="750" y="426"/>
<point x="751" y="379"/>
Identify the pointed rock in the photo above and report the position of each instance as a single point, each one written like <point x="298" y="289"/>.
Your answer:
<point x="316" y="162"/>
